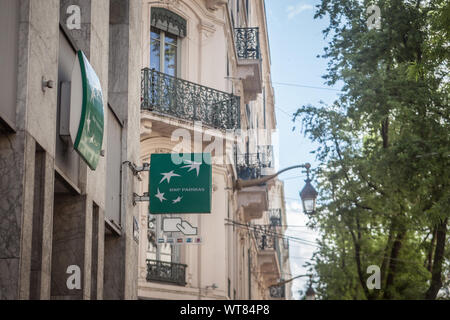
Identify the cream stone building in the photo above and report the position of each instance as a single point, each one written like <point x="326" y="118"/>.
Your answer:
<point x="206" y="70"/>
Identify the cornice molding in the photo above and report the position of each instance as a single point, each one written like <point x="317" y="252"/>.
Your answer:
<point x="213" y="5"/>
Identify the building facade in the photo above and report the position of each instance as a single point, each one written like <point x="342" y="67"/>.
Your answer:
<point x="173" y="76"/>
<point x="206" y="72"/>
<point x="66" y="230"/>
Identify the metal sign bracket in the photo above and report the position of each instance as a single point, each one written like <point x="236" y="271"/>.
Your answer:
<point x="135" y="169"/>
<point x="137" y="198"/>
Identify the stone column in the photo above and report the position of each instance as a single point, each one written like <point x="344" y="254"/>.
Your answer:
<point x="35" y="125"/>
<point x="69" y="241"/>
<point x="93" y="39"/>
<point x="124" y="97"/>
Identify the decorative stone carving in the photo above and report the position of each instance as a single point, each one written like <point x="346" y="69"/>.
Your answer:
<point x="146" y="128"/>
<point x="162" y="150"/>
<point x="206" y="29"/>
<point x="214" y="4"/>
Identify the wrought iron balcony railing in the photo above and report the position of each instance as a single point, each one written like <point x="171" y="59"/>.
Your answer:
<point x="248" y="166"/>
<point x="168" y="272"/>
<point x="278" y="292"/>
<point x="254" y="165"/>
<point x="247" y="43"/>
<point x="266" y="237"/>
<point x="168" y="95"/>
<point x="275" y="217"/>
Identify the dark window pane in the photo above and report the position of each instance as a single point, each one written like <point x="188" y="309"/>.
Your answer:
<point x="170" y="59"/>
<point x="155" y="54"/>
<point x="170" y="39"/>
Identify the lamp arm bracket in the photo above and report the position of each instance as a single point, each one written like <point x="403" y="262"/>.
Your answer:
<point x="289" y="280"/>
<point x="240" y="184"/>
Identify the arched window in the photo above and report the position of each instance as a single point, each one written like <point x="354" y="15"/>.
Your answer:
<point x="167" y="29"/>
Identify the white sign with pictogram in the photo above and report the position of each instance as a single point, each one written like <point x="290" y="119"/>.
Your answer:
<point x="176" y="230"/>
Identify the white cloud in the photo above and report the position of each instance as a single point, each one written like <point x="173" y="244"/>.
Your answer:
<point x="299" y="252"/>
<point x="297" y="9"/>
<point x="293" y="206"/>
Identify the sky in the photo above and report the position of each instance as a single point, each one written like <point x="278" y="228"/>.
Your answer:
<point x="296" y="39"/>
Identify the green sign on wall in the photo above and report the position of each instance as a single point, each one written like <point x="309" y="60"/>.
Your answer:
<point x="89" y="133"/>
<point x="183" y="187"/>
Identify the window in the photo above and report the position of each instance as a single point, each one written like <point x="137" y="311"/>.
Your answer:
<point x="167" y="30"/>
<point x="237" y="13"/>
<point x="247" y="7"/>
<point x="249" y="116"/>
<point x="163" y="51"/>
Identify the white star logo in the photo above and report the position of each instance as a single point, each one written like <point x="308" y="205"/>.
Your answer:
<point x="160" y="196"/>
<point x="95" y="93"/>
<point x="92" y="94"/>
<point x="193" y="165"/>
<point x="177" y="200"/>
<point x="88" y="122"/>
<point x="168" y="175"/>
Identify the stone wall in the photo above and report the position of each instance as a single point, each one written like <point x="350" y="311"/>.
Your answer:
<point x="49" y="221"/>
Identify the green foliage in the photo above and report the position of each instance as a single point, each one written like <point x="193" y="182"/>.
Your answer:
<point x="384" y="149"/>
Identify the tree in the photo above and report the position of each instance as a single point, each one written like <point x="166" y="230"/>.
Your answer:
<point x="384" y="149"/>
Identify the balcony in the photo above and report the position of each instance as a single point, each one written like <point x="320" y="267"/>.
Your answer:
<point x="266" y="239"/>
<point x="275" y="217"/>
<point x="166" y="272"/>
<point x="255" y="165"/>
<point x="249" y="166"/>
<point x="247" y="43"/>
<point x="254" y="201"/>
<point x="170" y="96"/>
<point x="249" y="61"/>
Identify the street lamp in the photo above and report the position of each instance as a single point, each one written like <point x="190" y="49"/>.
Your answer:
<point x="308" y="193"/>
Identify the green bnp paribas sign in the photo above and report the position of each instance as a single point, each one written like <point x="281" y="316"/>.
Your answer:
<point x="180" y="183"/>
<point x="87" y="115"/>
